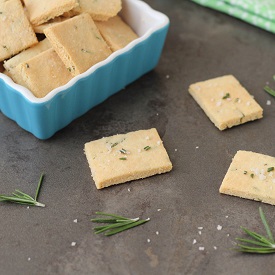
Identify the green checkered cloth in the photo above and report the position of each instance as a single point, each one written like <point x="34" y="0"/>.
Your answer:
<point x="260" y="13"/>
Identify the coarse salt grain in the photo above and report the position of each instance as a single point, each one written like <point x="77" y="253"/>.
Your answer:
<point x="219" y="227"/>
<point x="176" y="150"/>
<point x="148" y="240"/>
<point x="159" y="209"/>
<point x="197" y="147"/>
<point x="201" y="248"/>
<point x="28" y="207"/>
<point x="268" y="102"/>
<point x="200" y="227"/>
<point x="129" y="190"/>
<point x="226" y="217"/>
<point x="194" y="241"/>
<point x="73" y="244"/>
<point x="75" y="221"/>
<point x="197" y="88"/>
<point x="168" y="76"/>
<point x="157" y="233"/>
<point x="215" y="247"/>
<point x="29" y="259"/>
<point x="199" y="232"/>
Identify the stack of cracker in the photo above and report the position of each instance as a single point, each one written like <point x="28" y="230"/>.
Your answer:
<point x="73" y="36"/>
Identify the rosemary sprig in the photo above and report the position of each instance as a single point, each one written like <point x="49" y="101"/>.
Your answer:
<point x="261" y="244"/>
<point x="269" y="90"/>
<point x="23" y="198"/>
<point x="115" y="224"/>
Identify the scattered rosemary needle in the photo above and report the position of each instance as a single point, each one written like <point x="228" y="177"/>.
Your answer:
<point x="269" y="90"/>
<point x="115" y="223"/>
<point x="23" y="198"/>
<point x="261" y="244"/>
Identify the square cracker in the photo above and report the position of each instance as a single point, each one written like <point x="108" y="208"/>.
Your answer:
<point x="78" y="43"/>
<point x="41" y="11"/>
<point x="100" y="10"/>
<point x="43" y="73"/>
<point x="225" y="101"/>
<point x="24" y="56"/>
<point x="16" y="33"/>
<point x="121" y="158"/>
<point x="50" y="23"/>
<point x="116" y="33"/>
<point x="251" y="176"/>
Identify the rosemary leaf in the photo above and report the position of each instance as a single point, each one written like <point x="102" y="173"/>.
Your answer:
<point x="111" y="215"/>
<point x="116" y="225"/>
<point x="252" y="242"/>
<point x="125" y="227"/>
<point x="269" y="90"/>
<point x="105" y="228"/>
<point x="255" y="235"/>
<point x="267" y="228"/>
<point x="39" y="186"/>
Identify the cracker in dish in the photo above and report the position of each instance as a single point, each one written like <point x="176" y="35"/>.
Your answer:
<point x="100" y="10"/>
<point x="50" y="23"/>
<point x="24" y="56"/>
<point x="41" y="11"/>
<point x="225" y="101"/>
<point x="116" y="33"/>
<point x="251" y="176"/>
<point x="126" y="157"/>
<point x="16" y="33"/>
<point x="78" y="43"/>
<point x="43" y="73"/>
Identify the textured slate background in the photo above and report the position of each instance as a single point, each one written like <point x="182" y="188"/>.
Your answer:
<point x="201" y="44"/>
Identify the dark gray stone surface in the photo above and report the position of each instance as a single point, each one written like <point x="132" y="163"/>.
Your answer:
<point x="201" y="44"/>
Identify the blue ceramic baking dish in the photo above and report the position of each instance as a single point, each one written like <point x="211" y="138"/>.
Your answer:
<point x="43" y="117"/>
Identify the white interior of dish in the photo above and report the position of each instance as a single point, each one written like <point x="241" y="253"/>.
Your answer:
<point x="140" y="16"/>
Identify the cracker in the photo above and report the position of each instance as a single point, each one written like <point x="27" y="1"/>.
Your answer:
<point x="100" y="10"/>
<point x="24" y="56"/>
<point x="43" y="73"/>
<point x="251" y="176"/>
<point x="225" y="101"/>
<point x="116" y="33"/>
<point x="16" y="33"/>
<point x="43" y="10"/>
<point x="50" y="23"/>
<point x="122" y="158"/>
<point x="78" y="43"/>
